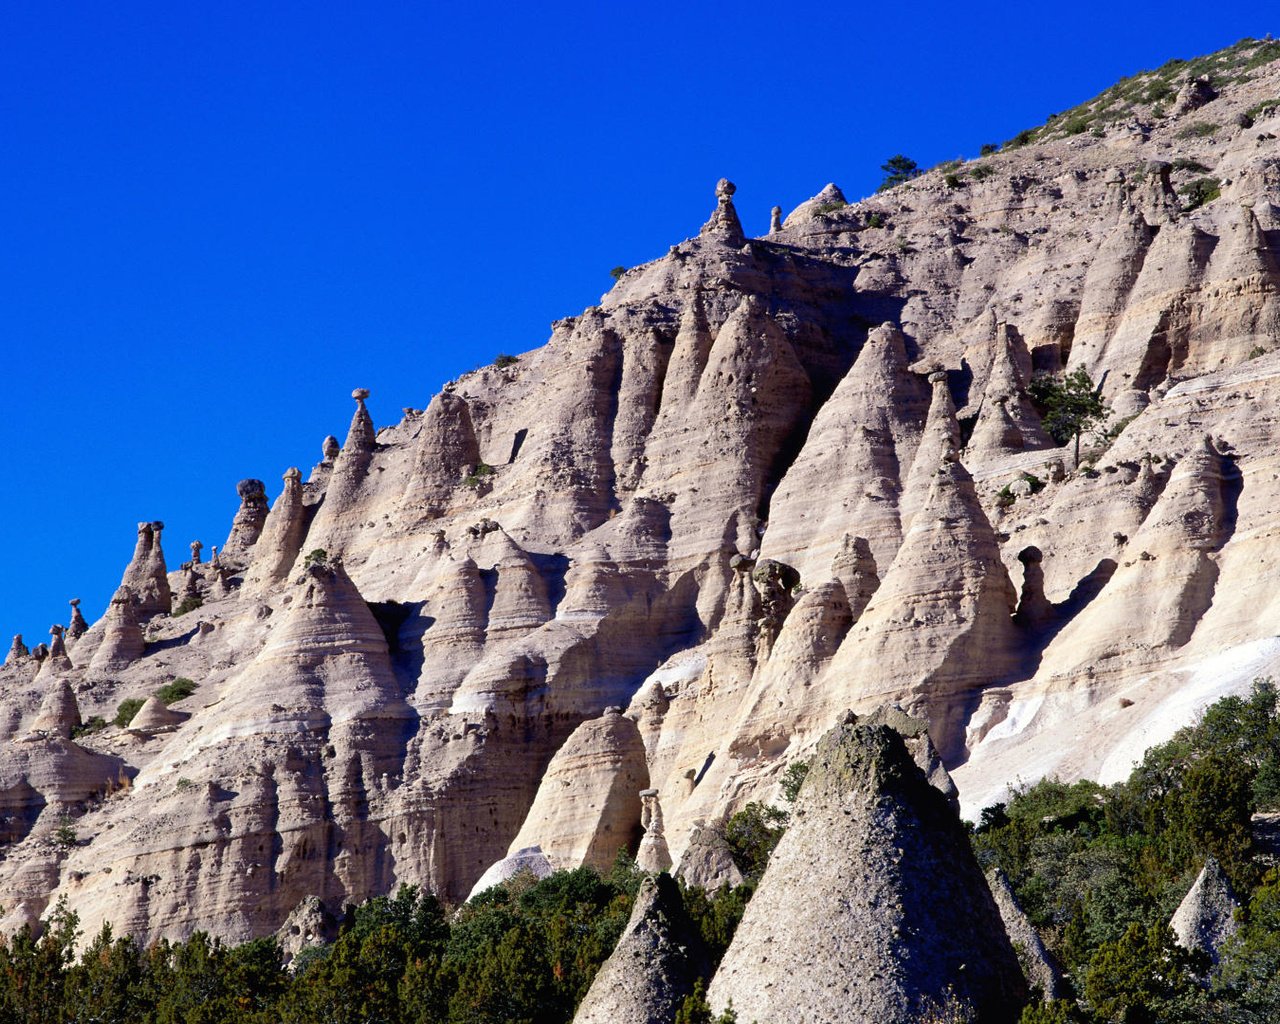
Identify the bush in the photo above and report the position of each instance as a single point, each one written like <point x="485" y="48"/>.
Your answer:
<point x="1070" y="406"/>
<point x="95" y="724"/>
<point x="875" y="220"/>
<point x="617" y="272"/>
<point x="476" y="478"/>
<point x="1023" y="138"/>
<point x="65" y="834"/>
<point x="823" y="209"/>
<point x="1200" y="192"/>
<point x="1198" y="130"/>
<point x="505" y="360"/>
<point x="188" y="604"/>
<point x="981" y="172"/>
<point x="792" y="779"/>
<point x="126" y="710"/>
<point x="752" y="834"/>
<point x="176" y="690"/>
<point x="951" y="180"/>
<point x="988" y="148"/>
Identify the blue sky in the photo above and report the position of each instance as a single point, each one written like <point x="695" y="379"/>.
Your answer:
<point x="216" y="220"/>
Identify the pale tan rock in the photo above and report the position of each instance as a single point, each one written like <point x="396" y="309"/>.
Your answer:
<point x="59" y="715"/>
<point x="886" y="912"/>
<point x="248" y="523"/>
<point x="447" y="452"/>
<point x="77" y="627"/>
<point x="1207" y="917"/>
<point x="18" y="651"/>
<point x="155" y="717"/>
<point x="1038" y="964"/>
<point x="146" y="575"/>
<point x="280" y="541"/>
<point x="658" y="959"/>
<point x="708" y="862"/>
<point x="653" y="856"/>
<point x="56" y="661"/>
<point x="122" y="639"/>
<point x="588" y="805"/>
<point x="724" y="223"/>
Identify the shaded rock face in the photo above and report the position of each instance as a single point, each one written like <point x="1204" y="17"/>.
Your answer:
<point x="872" y="907"/>
<point x="1041" y="969"/>
<point x="708" y="860"/>
<point x="654" y="966"/>
<point x="580" y="529"/>
<point x="146" y="575"/>
<point x="1206" y="918"/>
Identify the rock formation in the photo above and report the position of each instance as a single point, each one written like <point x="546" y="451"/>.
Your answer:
<point x="122" y="639"/>
<point x="1207" y="916"/>
<point x="146" y="576"/>
<point x="653" y="855"/>
<point x="249" y="521"/>
<point x="59" y="714"/>
<point x="588" y="806"/>
<point x="77" y="627"/>
<point x="18" y="651"/>
<point x="1038" y="964"/>
<point x="762" y="481"/>
<point x="887" y="913"/>
<point x="281" y="536"/>
<point x="655" y="965"/>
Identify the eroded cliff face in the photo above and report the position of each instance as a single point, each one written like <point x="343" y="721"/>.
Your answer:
<point x="764" y="481"/>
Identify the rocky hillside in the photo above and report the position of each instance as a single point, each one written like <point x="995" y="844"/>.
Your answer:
<point x="764" y="481"/>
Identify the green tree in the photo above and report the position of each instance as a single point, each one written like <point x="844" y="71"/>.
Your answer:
<point x="1144" y="977"/>
<point x="898" y="169"/>
<point x="1070" y="406"/>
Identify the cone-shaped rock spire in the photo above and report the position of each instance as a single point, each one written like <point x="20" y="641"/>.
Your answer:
<point x="59" y="714"/>
<point x="18" y="651"/>
<point x="247" y="526"/>
<point x="78" y="627"/>
<point x="146" y="576"/>
<point x="282" y="536"/>
<point x="588" y="805"/>
<point x="447" y="451"/>
<point x="724" y="223"/>
<point x="122" y="639"/>
<point x="887" y="913"/>
<point x="654" y="966"/>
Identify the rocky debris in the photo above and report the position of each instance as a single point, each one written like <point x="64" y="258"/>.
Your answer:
<point x="59" y="715"/>
<point x="77" y="627"/>
<point x="653" y="855"/>
<point x="707" y="862"/>
<point x="146" y="576"/>
<point x="655" y="965"/>
<point x="155" y="717"/>
<point x="1038" y="964"/>
<point x="588" y="805"/>
<point x="248" y="523"/>
<point x="527" y="861"/>
<point x="123" y="642"/>
<point x="724" y="223"/>
<point x="886" y="912"/>
<point x="1206" y="918"/>
<point x="18" y="651"/>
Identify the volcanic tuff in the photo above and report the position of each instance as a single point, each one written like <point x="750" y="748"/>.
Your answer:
<point x="763" y="481"/>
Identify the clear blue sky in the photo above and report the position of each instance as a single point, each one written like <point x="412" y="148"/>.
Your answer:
<point x="218" y="219"/>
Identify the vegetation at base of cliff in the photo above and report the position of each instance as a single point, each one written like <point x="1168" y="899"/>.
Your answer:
<point x="1100" y="870"/>
<point x="126" y="710"/>
<point x="524" y="952"/>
